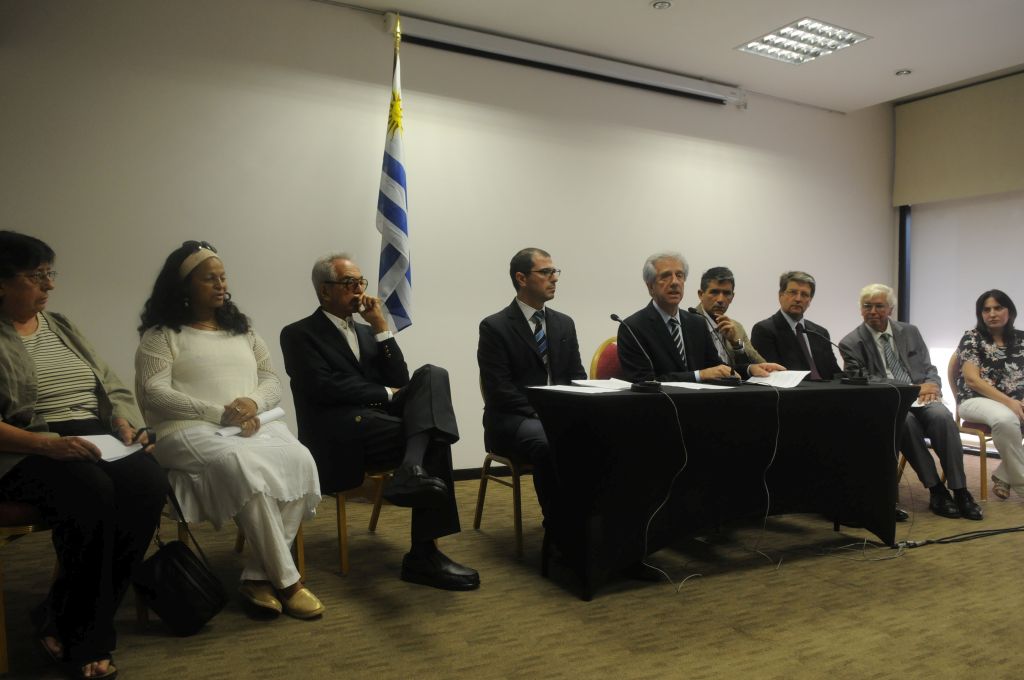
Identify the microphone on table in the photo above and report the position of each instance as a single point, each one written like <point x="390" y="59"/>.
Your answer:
<point x="647" y="386"/>
<point x="852" y="376"/>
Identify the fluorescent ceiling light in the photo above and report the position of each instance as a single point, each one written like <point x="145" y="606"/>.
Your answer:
<point x="489" y="45"/>
<point x="802" y="41"/>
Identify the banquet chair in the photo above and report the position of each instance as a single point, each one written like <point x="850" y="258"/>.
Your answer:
<point x="605" y="364"/>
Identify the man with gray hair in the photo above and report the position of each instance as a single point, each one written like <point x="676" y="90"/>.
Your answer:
<point x="678" y="343"/>
<point x="788" y="338"/>
<point x="891" y="351"/>
<point x="359" y="410"/>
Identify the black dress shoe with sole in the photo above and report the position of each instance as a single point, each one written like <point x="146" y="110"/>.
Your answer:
<point x="412" y="487"/>
<point x="437" y="570"/>
<point x="965" y="503"/>
<point x="901" y="514"/>
<point x="942" y="505"/>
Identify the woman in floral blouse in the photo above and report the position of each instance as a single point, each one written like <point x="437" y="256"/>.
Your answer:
<point x="990" y="388"/>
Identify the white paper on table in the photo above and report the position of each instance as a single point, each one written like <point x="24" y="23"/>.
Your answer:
<point x="111" y="448"/>
<point x="611" y="384"/>
<point x="698" y="386"/>
<point x="575" y="389"/>
<point x="270" y="416"/>
<point x="781" y="378"/>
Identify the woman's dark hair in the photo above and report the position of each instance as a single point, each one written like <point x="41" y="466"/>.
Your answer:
<point x="1009" y="334"/>
<point x="19" y="253"/>
<point x="167" y="306"/>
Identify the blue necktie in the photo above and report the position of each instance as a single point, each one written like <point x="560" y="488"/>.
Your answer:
<point x="539" y="336"/>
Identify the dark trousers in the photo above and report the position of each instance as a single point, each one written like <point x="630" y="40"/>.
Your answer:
<point x="422" y="406"/>
<point x="103" y="516"/>
<point x="935" y="422"/>
<point x="529" y="443"/>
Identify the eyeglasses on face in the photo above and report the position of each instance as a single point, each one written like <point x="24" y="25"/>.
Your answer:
<point x="547" y="271"/>
<point x="875" y="306"/>
<point x="199" y="245"/>
<point x="39" y="277"/>
<point x="351" y="283"/>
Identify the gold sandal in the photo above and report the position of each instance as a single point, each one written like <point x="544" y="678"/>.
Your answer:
<point x="1000" y="489"/>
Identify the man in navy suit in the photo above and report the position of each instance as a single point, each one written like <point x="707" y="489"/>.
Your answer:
<point x="788" y="338"/>
<point x="891" y="351"/>
<point x="358" y="409"/>
<point x="678" y="342"/>
<point x="526" y="343"/>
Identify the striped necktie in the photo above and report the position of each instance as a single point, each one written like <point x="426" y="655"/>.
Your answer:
<point x="677" y="337"/>
<point x="899" y="372"/>
<point x="539" y="336"/>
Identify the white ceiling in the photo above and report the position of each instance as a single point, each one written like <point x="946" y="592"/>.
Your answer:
<point x="944" y="42"/>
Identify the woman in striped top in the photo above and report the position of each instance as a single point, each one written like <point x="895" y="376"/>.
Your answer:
<point x="54" y="391"/>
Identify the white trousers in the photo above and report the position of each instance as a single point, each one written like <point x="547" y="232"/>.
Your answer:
<point x="270" y="527"/>
<point x="1006" y="436"/>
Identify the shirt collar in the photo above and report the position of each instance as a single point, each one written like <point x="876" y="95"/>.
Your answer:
<point x="877" y="334"/>
<point x="341" y="324"/>
<point x="528" y="311"/>
<point x="665" y="317"/>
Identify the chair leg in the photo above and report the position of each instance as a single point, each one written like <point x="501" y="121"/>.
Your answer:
<point x="900" y="468"/>
<point x="300" y="553"/>
<point x="4" y="665"/>
<point x="983" y="468"/>
<point x="517" y="509"/>
<point x="485" y="471"/>
<point x="239" y="540"/>
<point x="342" y="533"/>
<point x="378" y="499"/>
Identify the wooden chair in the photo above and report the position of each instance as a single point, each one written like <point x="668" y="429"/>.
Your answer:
<point x="605" y="364"/>
<point x="517" y="469"/>
<point x="377" y="480"/>
<point x="980" y="430"/>
<point x="16" y="520"/>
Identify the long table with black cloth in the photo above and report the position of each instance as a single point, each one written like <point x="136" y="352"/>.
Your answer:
<point x="822" y="448"/>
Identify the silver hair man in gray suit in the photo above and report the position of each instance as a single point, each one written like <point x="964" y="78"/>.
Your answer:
<point x="891" y="351"/>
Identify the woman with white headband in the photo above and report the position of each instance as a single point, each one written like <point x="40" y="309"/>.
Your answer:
<point x="200" y="366"/>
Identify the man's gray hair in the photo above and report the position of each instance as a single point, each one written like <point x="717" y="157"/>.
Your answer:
<point x="796" y="277"/>
<point x="873" y="289"/>
<point x="650" y="271"/>
<point x="323" y="269"/>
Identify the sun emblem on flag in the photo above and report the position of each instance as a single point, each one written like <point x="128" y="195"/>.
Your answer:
<point x="395" y="113"/>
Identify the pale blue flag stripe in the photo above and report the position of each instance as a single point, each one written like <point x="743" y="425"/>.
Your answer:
<point x="395" y="274"/>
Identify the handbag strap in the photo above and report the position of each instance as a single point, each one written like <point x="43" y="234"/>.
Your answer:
<point x="181" y="519"/>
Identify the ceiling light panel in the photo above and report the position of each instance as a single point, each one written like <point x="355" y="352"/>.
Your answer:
<point x="802" y="41"/>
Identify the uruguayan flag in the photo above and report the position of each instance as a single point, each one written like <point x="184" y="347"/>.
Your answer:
<point x="395" y="283"/>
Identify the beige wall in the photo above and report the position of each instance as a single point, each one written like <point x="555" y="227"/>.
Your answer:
<point x="129" y="126"/>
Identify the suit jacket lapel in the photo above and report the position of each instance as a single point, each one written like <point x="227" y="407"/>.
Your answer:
<point x="874" y="359"/>
<point x="334" y="339"/>
<point x="899" y="339"/>
<point x="524" y="330"/>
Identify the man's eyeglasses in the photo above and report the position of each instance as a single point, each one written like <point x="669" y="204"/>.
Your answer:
<point x="547" y="272"/>
<point x="351" y="283"/>
<point x="39" y="277"/>
<point x="199" y="245"/>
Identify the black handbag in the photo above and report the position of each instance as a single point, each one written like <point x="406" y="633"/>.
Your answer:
<point x="180" y="587"/>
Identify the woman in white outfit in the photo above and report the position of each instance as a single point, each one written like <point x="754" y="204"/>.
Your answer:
<point x="200" y="366"/>
<point x="990" y="388"/>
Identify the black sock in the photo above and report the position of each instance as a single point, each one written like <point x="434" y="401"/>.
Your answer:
<point x="423" y="548"/>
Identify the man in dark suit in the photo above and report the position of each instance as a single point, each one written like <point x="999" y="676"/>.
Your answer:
<point x="890" y="351"/>
<point x="788" y="338"/>
<point x="358" y="410"/>
<point x="526" y="343"/>
<point x="678" y="342"/>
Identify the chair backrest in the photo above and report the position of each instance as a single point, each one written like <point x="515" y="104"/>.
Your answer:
<point x="605" y="364"/>
<point x="952" y="373"/>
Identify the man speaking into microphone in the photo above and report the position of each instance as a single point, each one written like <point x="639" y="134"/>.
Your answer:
<point x="678" y="343"/>
<point x="788" y="338"/>
<point x="717" y="291"/>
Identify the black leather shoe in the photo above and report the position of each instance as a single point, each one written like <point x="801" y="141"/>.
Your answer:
<point x="942" y="504"/>
<point x="901" y="514"/>
<point x="965" y="503"/>
<point x="437" y="570"/>
<point x="412" y="487"/>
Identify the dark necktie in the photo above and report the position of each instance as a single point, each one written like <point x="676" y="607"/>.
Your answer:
<point x="899" y="373"/>
<point x="539" y="336"/>
<point x="677" y="337"/>
<point x="802" y="340"/>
